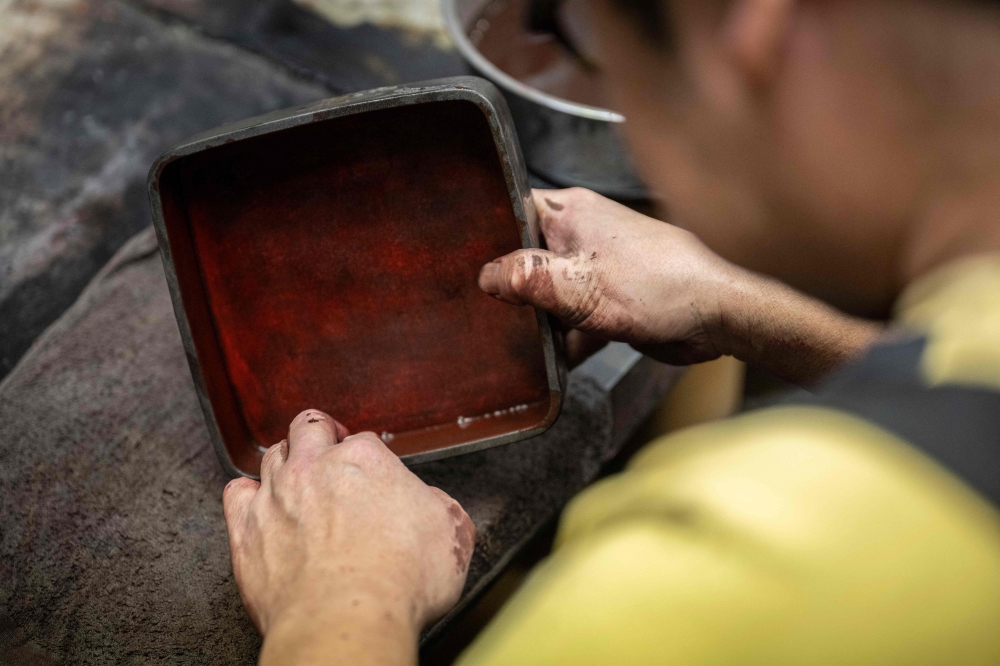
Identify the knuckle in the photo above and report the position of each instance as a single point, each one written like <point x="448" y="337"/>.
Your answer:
<point x="272" y="452"/>
<point x="577" y="197"/>
<point x="235" y="486"/>
<point x="583" y="194"/>
<point x="368" y="439"/>
<point x="362" y="449"/>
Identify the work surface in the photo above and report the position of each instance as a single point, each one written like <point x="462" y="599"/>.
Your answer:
<point x="113" y="547"/>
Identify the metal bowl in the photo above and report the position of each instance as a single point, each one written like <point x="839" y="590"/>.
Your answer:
<point x="566" y="143"/>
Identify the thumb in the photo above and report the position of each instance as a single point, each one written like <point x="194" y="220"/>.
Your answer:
<point x="236" y="500"/>
<point x="564" y="286"/>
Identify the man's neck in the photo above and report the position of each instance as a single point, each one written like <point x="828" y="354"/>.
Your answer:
<point x="959" y="225"/>
<point x="957" y="50"/>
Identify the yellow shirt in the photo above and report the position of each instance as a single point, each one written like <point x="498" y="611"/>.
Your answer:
<point x="792" y="535"/>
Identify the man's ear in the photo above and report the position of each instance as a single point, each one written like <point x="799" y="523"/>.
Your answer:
<point x="755" y="32"/>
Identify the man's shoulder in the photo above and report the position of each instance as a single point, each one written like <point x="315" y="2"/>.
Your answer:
<point x="777" y="469"/>
<point x="788" y="535"/>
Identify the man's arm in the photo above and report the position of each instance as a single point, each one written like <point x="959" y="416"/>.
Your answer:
<point x="618" y="275"/>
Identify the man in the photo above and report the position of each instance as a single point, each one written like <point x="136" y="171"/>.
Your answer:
<point x="848" y="148"/>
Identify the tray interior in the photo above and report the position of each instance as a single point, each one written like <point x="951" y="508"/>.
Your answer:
<point x="333" y="266"/>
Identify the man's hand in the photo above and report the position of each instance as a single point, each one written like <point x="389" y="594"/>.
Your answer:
<point x="618" y="275"/>
<point x="613" y="273"/>
<point x="340" y="553"/>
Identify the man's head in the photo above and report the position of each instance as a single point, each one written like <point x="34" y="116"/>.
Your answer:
<point x="842" y="145"/>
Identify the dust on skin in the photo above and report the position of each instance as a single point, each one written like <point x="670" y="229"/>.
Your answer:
<point x="465" y="537"/>
<point x="315" y="416"/>
<point x="574" y="308"/>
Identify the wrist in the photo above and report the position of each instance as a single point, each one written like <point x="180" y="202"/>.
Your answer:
<point x="766" y="323"/>
<point x="357" y="625"/>
<point x="736" y="301"/>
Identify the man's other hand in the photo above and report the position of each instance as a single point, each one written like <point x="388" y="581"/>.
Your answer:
<point x="340" y="553"/>
<point x="615" y="274"/>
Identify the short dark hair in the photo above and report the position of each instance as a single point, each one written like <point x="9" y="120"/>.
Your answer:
<point x="650" y="18"/>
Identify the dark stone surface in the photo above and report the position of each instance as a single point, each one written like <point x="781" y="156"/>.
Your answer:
<point x="113" y="548"/>
<point x="91" y="91"/>
<point x="344" y="59"/>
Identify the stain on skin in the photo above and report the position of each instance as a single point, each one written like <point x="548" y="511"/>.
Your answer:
<point x="542" y="287"/>
<point x="573" y="306"/>
<point x="553" y="205"/>
<point x="577" y="304"/>
<point x="313" y="420"/>
<point x="465" y="538"/>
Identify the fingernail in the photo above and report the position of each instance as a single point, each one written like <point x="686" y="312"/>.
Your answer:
<point x="489" y="279"/>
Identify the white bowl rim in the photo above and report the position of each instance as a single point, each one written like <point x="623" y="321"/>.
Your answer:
<point x="473" y="56"/>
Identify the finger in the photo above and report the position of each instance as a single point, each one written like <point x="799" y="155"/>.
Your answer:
<point x="311" y="431"/>
<point x="236" y="498"/>
<point x="274" y="458"/>
<point x="564" y="286"/>
<point x="365" y="449"/>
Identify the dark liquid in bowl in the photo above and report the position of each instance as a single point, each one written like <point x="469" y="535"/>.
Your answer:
<point x="536" y="60"/>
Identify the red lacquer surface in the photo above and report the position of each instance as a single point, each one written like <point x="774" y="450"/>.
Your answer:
<point x="337" y="262"/>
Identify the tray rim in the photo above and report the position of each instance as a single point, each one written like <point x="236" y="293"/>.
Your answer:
<point x="473" y="89"/>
